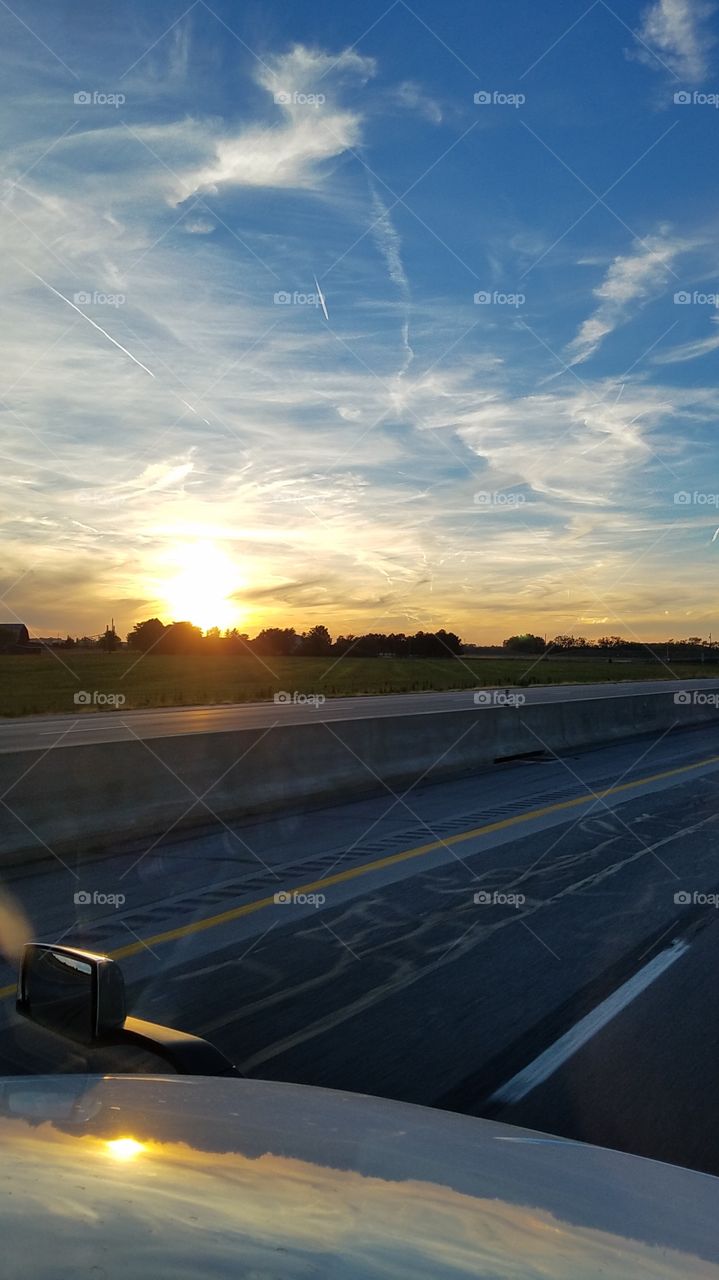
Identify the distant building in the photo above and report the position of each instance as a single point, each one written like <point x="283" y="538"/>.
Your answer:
<point x="15" y="638"/>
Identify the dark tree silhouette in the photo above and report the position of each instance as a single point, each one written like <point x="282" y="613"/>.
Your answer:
<point x="526" y="643"/>
<point x="145" y="635"/>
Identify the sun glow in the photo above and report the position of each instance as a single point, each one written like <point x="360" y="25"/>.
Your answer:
<point x="124" y="1148"/>
<point x="200" y="592"/>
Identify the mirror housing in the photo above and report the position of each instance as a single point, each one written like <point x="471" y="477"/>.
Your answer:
<point x="71" y="992"/>
<point x="80" y="995"/>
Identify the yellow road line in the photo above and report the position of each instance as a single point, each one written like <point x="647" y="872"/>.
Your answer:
<point x="379" y="864"/>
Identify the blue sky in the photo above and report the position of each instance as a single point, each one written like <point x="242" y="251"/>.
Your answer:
<point x="502" y="418"/>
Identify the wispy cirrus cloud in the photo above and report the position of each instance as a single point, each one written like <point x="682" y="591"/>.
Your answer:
<point x="342" y="494"/>
<point x="689" y="350"/>
<point x="631" y="279"/>
<point x="413" y="97"/>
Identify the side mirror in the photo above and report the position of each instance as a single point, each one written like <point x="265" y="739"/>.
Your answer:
<point x="81" y="995"/>
<point x="73" y="993"/>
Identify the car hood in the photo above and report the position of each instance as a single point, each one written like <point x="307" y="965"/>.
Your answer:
<point x="191" y="1177"/>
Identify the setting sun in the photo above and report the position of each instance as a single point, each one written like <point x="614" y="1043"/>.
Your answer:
<point x="202" y="588"/>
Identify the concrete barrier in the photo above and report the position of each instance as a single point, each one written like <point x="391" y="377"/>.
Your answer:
<point x="73" y="799"/>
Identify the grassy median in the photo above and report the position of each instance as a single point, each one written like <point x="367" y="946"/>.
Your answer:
<point x="50" y="681"/>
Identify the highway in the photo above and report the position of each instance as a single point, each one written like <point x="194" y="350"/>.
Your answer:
<point x="470" y="944"/>
<point x="30" y="733"/>
<point x="646" y="1082"/>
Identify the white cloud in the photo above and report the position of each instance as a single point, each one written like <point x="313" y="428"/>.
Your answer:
<point x="199" y="226"/>
<point x="289" y="155"/>
<point x="631" y="279"/>
<point x="575" y="447"/>
<point x="307" y="70"/>
<point x="688" y="350"/>
<point x="304" y="85"/>
<point x="674" y="30"/>
<point x="412" y="97"/>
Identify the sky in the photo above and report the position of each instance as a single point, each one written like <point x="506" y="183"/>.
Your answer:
<point x="385" y="316"/>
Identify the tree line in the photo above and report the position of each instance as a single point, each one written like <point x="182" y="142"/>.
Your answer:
<point x="528" y="643"/>
<point x="183" y="637"/>
<point x="154" y="636"/>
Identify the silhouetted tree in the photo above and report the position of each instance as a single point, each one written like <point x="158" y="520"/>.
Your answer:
<point x="317" y="643"/>
<point x="145" y="635"/>
<point x="435" y="644"/>
<point x="235" y="641"/>
<point x="277" y="641"/>
<point x="180" y="637"/>
<point x="526" y="643"/>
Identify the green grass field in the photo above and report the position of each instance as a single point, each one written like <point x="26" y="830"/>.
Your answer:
<point x="48" y="683"/>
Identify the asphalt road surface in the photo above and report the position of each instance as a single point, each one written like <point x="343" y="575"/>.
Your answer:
<point x="28" y="733"/>
<point x="509" y="944"/>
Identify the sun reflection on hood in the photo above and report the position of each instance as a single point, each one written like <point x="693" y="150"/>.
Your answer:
<point x="160" y="1207"/>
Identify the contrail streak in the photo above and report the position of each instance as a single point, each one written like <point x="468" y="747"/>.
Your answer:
<point x="104" y="332"/>
<point x="189" y="406"/>
<point x="389" y="245"/>
<point x="321" y="296"/>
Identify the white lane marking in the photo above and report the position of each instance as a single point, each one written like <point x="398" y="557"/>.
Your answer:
<point x="86" y="728"/>
<point x="558" y="1053"/>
